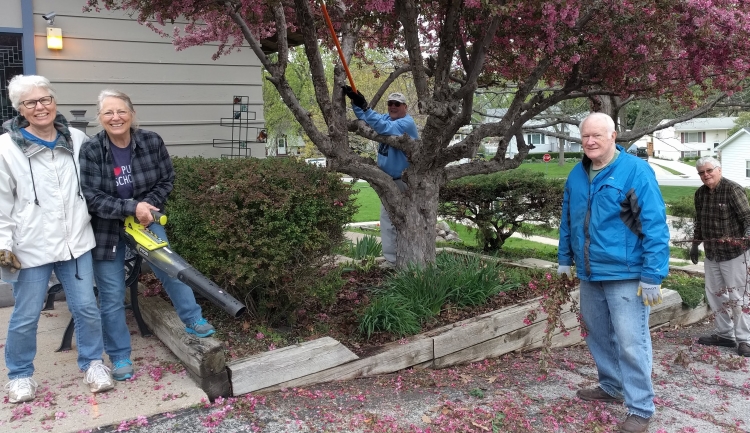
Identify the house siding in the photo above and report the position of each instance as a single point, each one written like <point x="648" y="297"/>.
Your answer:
<point x="734" y="156"/>
<point x="181" y="95"/>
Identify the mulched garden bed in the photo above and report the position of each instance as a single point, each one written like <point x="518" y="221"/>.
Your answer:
<point x="246" y="336"/>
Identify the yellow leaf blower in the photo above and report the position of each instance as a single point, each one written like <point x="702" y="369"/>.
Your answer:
<point x="157" y="253"/>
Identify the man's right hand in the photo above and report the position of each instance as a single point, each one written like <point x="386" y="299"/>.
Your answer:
<point x="694" y="254"/>
<point x="356" y="97"/>
<point x="564" y="270"/>
<point x="8" y="259"/>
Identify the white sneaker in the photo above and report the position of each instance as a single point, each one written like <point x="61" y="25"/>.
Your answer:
<point x="98" y="377"/>
<point x="21" y="390"/>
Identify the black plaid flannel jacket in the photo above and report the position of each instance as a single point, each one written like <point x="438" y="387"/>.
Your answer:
<point x="153" y="178"/>
<point x="721" y="213"/>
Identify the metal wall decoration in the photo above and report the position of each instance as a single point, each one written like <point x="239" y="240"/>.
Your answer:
<point x="243" y="128"/>
<point x="11" y="64"/>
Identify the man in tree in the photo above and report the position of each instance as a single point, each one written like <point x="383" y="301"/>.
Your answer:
<point x="391" y="160"/>
<point x="614" y="228"/>
<point x="722" y="212"/>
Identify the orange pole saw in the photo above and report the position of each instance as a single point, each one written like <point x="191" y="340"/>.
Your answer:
<point x="338" y="46"/>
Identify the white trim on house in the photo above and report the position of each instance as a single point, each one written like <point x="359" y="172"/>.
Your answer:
<point x="734" y="154"/>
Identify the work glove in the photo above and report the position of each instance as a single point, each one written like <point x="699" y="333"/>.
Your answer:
<point x="356" y="97"/>
<point x="694" y="254"/>
<point x="8" y="259"/>
<point x="651" y="293"/>
<point x="561" y="269"/>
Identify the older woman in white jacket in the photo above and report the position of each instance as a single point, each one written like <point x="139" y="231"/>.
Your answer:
<point x="44" y="226"/>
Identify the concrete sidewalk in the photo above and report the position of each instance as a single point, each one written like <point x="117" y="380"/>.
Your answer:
<point x="63" y="402"/>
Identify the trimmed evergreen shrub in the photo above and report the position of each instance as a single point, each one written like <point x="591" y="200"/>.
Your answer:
<point x="499" y="203"/>
<point x="260" y="228"/>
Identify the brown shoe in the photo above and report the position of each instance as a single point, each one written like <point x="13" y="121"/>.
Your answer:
<point x="715" y="340"/>
<point x="743" y="349"/>
<point x="634" y="424"/>
<point x="597" y="394"/>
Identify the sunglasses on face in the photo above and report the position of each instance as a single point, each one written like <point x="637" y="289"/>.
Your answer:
<point x="394" y="103"/>
<point x="709" y="171"/>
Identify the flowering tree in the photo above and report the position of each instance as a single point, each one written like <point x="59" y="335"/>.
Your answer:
<point x="546" y="51"/>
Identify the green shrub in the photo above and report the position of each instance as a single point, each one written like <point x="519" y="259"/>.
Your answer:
<point x="691" y="288"/>
<point x="538" y="157"/>
<point x="366" y="247"/>
<point x="502" y="203"/>
<point x="260" y="228"/>
<point x="416" y="294"/>
<point x="389" y="313"/>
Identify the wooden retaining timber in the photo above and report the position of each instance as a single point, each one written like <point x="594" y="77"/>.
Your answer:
<point x="203" y="357"/>
<point x="324" y="360"/>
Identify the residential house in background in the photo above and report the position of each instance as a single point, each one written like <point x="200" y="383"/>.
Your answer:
<point x="542" y="142"/>
<point x="185" y="96"/>
<point x="734" y="154"/>
<point x="693" y="138"/>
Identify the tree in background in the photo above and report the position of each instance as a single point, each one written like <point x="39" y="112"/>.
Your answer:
<point x="546" y="51"/>
<point x="742" y="121"/>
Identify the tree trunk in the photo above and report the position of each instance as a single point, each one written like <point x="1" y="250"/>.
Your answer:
<point x="415" y="222"/>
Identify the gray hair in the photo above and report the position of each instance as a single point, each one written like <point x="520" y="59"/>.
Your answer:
<point x="21" y="85"/>
<point x="707" y="160"/>
<point x="609" y="123"/>
<point x="110" y="93"/>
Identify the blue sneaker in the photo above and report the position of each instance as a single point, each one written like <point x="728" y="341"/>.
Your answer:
<point x="200" y="328"/>
<point x="122" y="369"/>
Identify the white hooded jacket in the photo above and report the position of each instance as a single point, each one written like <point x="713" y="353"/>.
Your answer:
<point x="43" y="215"/>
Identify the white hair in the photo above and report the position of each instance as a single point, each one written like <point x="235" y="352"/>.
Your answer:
<point x="111" y="93"/>
<point x="707" y="160"/>
<point x="609" y="123"/>
<point x="22" y="85"/>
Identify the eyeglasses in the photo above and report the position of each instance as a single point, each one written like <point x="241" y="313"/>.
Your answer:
<point x="31" y="103"/>
<point x="705" y="172"/>
<point x="394" y="103"/>
<point x="111" y="114"/>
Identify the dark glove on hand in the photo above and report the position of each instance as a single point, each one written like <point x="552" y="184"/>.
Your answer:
<point x="8" y="259"/>
<point x="694" y="254"/>
<point x="356" y="97"/>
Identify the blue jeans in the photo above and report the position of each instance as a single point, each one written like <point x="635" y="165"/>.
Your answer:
<point x="620" y="341"/>
<point x="30" y="293"/>
<point x="110" y="281"/>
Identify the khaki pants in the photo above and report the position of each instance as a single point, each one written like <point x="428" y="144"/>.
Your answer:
<point x="726" y="292"/>
<point x="388" y="231"/>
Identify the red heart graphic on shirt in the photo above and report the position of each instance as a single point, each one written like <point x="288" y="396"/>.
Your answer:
<point x="118" y="171"/>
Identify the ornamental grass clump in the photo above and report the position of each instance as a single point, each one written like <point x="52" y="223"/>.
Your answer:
<point x="413" y="295"/>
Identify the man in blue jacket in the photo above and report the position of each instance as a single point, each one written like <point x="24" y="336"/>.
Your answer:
<point x="392" y="161"/>
<point x="614" y="229"/>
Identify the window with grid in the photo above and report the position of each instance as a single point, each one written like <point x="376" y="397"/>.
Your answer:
<point x="534" y="139"/>
<point x="11" y="64"/>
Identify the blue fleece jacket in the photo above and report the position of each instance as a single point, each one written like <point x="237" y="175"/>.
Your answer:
<point x="390" y="160"/>
<point x="615" y="227"/>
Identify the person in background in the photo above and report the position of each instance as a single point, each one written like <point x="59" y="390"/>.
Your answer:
<point x="614" y="229"/>
<point x="45" y="227"/>
<point x="127" y="171"/>
<point x="392" y="161"/>
<point x="722" y="212"/>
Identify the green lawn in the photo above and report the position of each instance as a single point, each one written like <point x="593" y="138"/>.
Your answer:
<point x="369" y="202"/>
<point x="551" y="169"/>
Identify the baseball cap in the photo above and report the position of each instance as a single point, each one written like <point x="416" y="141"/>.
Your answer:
<point x="395" y="96"/>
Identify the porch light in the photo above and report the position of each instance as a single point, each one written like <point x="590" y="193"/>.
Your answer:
<point x="54" y="38"/>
